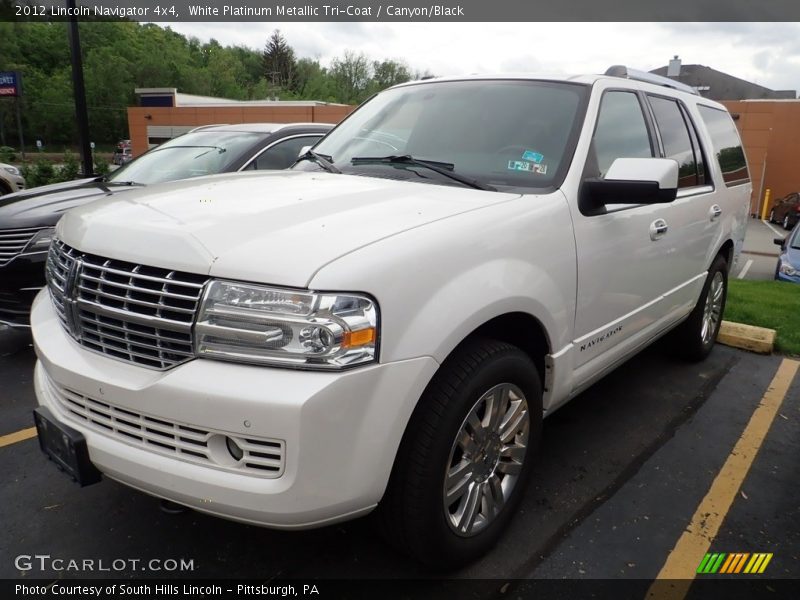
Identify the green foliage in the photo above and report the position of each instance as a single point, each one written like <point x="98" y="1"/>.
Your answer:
<point x="68" y="169"/>
<point x="41" y="173"/>
<point x="279" y="62"/>
<point x="770" y="304"/>
<point x="351" y="76"/>
<point x="7" y="154"/>
<point x="101" y="166"/>
<point x="120" y="56"/>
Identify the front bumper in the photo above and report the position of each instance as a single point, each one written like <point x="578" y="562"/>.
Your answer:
<point x="788" y="278"/>
<point x="340" y="431"/>
<point x="15" y="182"/>
<point x="20" y="281"/>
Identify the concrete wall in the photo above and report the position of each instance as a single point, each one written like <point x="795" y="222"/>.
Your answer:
<point x="138" y="120"/>
<point x="770" y="132"/>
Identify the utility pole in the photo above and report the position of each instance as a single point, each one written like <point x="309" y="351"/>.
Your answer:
<point x="79" y="92"/>
<point x="19" y="128"/>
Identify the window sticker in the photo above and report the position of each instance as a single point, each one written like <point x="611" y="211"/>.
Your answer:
<point x="528" y="167"/>
<point x="536" y="157"/>
<point x="520" y="165"/>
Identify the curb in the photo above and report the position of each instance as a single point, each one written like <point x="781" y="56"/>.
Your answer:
<point x="747" y="337"/>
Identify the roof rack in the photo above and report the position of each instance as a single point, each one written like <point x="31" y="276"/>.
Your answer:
<point x="623" y="71"/>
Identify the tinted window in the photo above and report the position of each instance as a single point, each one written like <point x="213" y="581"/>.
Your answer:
<point x="498" y="132"/>
<point x="675" y="139"/>
<point x="283" y="154"/>
<point x="727" y="145"/>
<point x="698" y="151"/>
<point x="621" y="131"/>
<point x="190" y="155"/>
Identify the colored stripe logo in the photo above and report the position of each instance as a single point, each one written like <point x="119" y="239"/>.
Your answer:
<point x="734" y="563"/>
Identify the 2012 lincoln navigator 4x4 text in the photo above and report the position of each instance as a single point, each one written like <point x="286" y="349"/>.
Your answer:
<point x="385" y="326"/>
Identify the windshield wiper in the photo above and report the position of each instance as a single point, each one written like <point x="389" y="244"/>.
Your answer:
<point x="114" y="182"/>
<point x="443" y="168"/>
<point x="322" y="160"/>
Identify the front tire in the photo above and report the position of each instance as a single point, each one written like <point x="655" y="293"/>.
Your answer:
<point x="466" y="456"/>
<point x="772" y="216"/>
<point x="695" y="337"/>
<point x="786" y="223"/>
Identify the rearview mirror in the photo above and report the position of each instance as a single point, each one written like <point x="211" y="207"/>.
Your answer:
<point x="633" y="181"/>
<point x="303" y="150"/>
<point x="780" y="242"/>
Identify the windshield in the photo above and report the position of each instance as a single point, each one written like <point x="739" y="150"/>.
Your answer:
<point x="795" y="242"/>
<point x="190" y="155"/>
<point x="499" y="133"/>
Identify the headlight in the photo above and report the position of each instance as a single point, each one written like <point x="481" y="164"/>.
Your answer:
<point x="290" y="328"/>
<point x="41" y="241"/>
<point x="12" y="170"/>
<point x="788" y="269"/>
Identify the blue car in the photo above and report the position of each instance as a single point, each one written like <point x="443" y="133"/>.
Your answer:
<point x="788" y="267"/>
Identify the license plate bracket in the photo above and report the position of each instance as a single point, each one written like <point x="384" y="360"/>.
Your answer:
<point x="66" y="447"/>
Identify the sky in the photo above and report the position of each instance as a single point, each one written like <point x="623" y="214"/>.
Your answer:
<point x="764" y="53"/>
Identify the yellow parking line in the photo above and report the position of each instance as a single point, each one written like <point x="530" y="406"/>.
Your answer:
<point x="17" y="436"/>
<point x="692" y="546"/>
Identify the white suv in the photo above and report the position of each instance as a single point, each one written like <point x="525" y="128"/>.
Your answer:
<point x="386" y="325"/>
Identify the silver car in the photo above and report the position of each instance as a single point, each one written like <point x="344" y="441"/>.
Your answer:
<point x="11" y="180"/>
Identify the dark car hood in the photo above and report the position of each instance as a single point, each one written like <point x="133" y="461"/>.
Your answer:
<point x="43" y="206"/>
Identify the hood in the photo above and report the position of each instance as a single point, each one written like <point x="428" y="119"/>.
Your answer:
<point x="277" y="227"/>
<point x="43" y="206"/>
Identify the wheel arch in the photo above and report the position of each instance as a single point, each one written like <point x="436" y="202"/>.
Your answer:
<point x="519" y="329"/>
<point x="726" y="251"/>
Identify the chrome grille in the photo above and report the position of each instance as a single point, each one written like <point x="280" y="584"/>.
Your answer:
<point x="263" y="457"/>
<point x="131" y="312"/>
<point x="13" y="242"/>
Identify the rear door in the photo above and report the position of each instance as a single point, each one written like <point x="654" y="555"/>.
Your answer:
<point x="625" y="266"/>
<point x="695" y="217"/>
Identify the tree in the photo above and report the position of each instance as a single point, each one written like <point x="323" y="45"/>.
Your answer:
<point x="389" y="73"/>
<point x="279" y="61"/>
<point x="352" y="75"/>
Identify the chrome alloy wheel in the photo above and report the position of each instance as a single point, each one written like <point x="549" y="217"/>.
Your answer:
<point x="713" y="308"/>
<point x="486" y="459"/>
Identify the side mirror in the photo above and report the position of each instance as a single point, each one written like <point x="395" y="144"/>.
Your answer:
<point x="303" y="150"/>
<point x="780" y="242"/>
<point x="633" y="181"/>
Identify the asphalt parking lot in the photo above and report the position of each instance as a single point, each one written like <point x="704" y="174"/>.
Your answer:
<point x="623" y="471"/>
<point x="759" y="254"/>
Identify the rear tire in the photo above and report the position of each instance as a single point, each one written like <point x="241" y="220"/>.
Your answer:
<point x="786" y="224"/>
<point x="695" y="337"/>
<point x="772" y="216"/>
<point x="465" y="457"/>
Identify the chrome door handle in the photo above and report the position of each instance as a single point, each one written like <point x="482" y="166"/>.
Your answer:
<point x="658" y="229"/>
<point x="715" y="212"/>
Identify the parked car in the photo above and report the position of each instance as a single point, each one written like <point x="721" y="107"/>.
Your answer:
<point x="122" y="154"/>
<point x="788" y="267"/>
<point x="27" y="218"/>
<point x="786" y="211"/>
<point x="11" y="180"/>
<point x="386" y="325"/>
